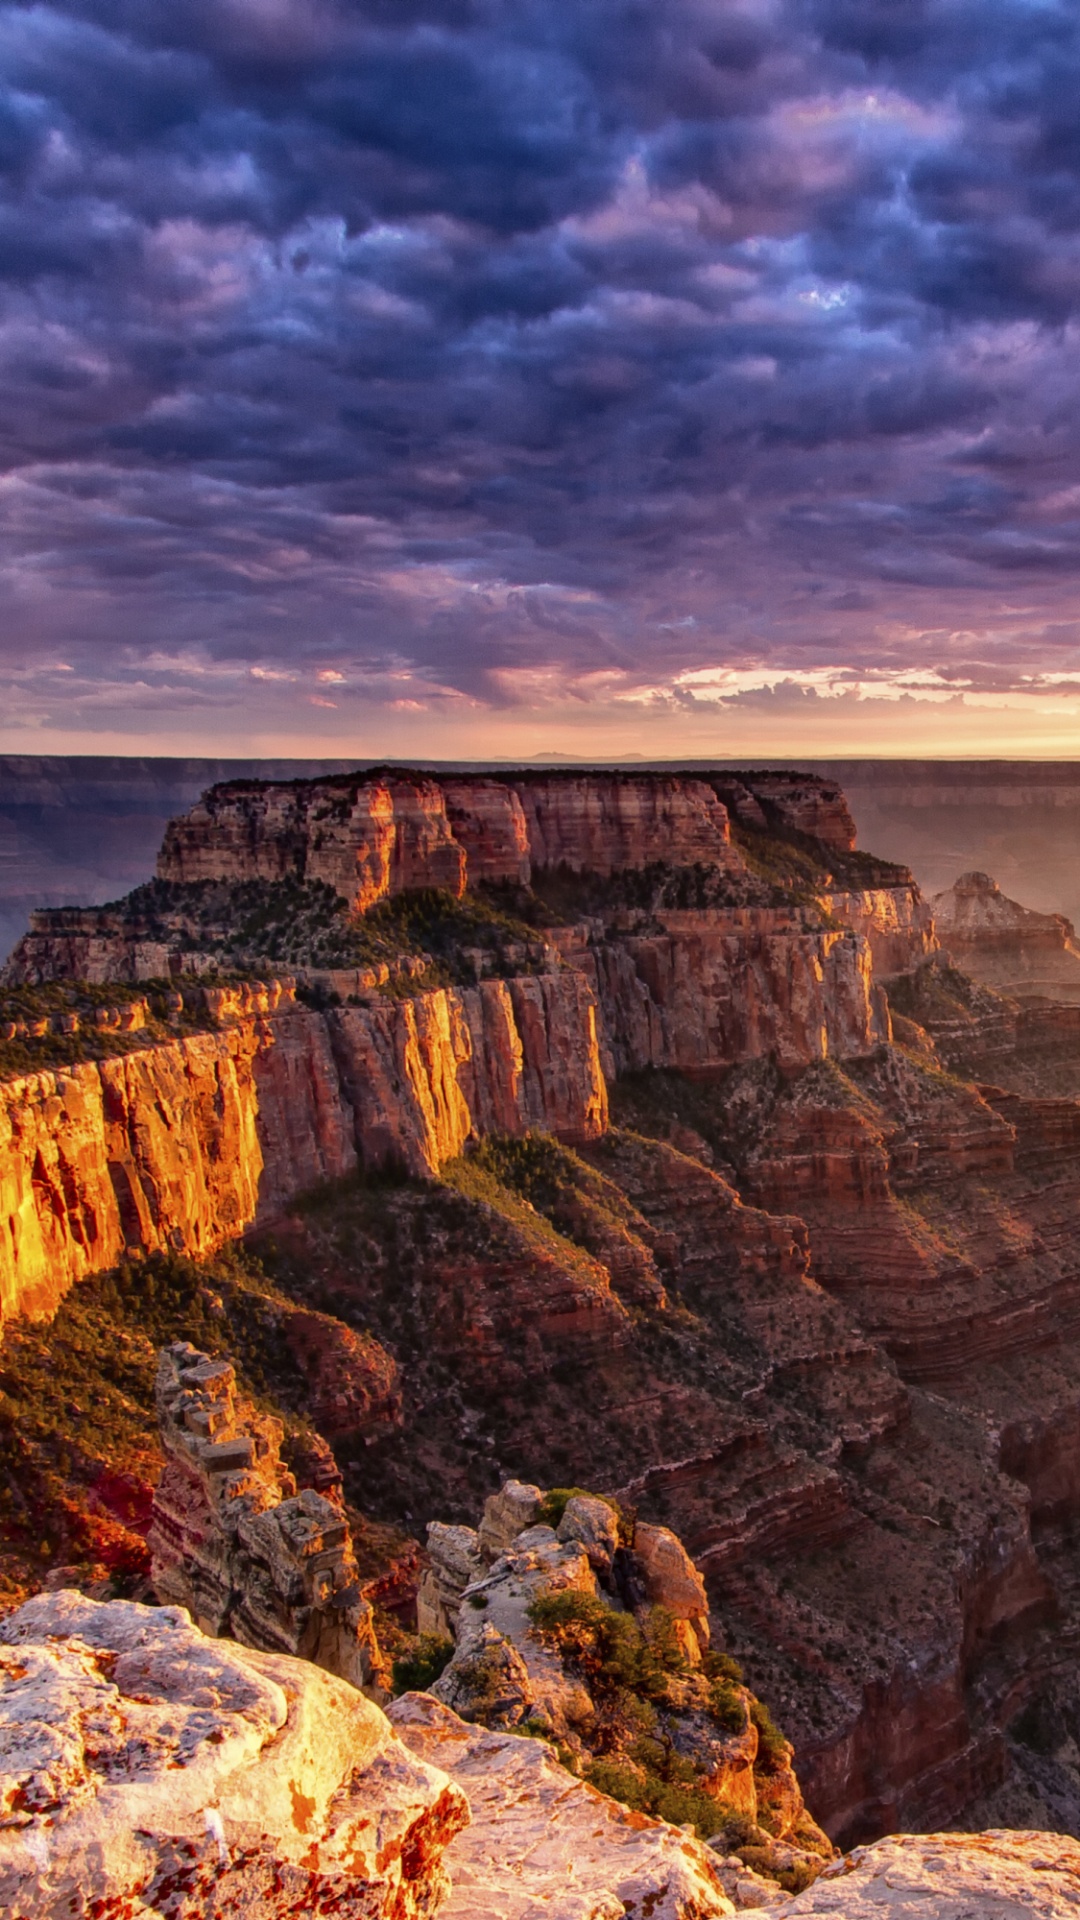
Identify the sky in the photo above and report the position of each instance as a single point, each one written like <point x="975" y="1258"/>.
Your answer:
<point x="497" y="378"/>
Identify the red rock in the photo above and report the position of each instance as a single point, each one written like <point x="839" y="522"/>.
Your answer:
<point x="353" y="1383"/>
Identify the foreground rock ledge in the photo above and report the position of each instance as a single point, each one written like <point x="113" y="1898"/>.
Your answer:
<point x="543" y="1844"/>
<point x="1000" y="1875"/>
<point x="147" y="1770"/>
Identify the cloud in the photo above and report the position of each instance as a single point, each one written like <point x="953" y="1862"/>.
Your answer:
<point x="553" y="356"/>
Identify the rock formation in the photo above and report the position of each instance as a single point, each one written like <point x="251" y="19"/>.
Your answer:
<point x="1005" y="946"/>
<point x="372" y="835"/>
<point x="189" y="1141"/>
<point x="234" y="1542"/>
<point x="811" y="1304"/>
<point x="146" y="1769"/>
<point x="186" y="1143"/>
<point x="516" y="1665"/>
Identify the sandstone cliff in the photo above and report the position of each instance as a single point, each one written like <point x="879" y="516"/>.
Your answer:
<point x="372" y="835"/>
<point x="188" y="1143"/>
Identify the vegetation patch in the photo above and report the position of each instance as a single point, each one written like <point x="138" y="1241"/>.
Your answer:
<point x="419" y="1665"/>
<point x="58" y="1025"/>
<point x="305" y="923"/>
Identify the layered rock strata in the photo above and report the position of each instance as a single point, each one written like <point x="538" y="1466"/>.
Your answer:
<point x="144" y="1768"/>
<point x="1006" y="946"/>
<point x="714" y="987"/>
<point x="233" y="1541"/>
<point x="368" y="836"/>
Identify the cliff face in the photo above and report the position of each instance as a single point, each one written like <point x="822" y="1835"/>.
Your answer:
<point x="369" y="837"/>
<point x="424" y="1076"/>
<point x="717" y="987"/>
<point x="186" y="1144"/>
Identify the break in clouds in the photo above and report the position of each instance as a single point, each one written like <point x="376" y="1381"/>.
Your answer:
<point x="494" y="355"/>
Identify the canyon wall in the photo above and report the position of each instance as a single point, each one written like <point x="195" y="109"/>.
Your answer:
<point x="716" y="987"/>
<point x="370" y="836"/>
<point x="187" y="1143"/>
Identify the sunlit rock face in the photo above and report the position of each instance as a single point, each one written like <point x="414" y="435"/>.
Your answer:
<point x="947" y="1876"/>
<point x="368" y="837"/>
<point x="1019" y="952"/>
<point x="146" y="1769"/>
<point x="541" y="1841"/>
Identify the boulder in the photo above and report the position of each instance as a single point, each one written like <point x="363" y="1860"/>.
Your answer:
<point x="506" y="1514"/>
<point x="542" y="1842"/>
<point x="671" y="1578"/>
<point x="147" y="1770"/>
<point x="454" y="1564"/>
<point x="490" y="1682"/>
<point x="595" y="1526"/>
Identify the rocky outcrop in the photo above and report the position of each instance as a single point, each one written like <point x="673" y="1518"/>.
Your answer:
<point x="541" y="1841"/>
<point x="1006" y="946"/>
<point x="147" y="1769"/>
<point x="941" y="1876"/>
<point x="233" y="1541"/>
<point x="515" y="1665"/>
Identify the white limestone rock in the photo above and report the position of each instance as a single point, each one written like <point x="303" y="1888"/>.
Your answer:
<point x="500" y="1602"/>
<point x="455" y="1564"/>
<point x="544" y="1846"/>
<point x="999" y="1875"/>
<point x="146" y="1769"/>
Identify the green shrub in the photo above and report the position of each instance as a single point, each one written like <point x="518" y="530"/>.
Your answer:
<point x="620" y="1781"/>
<point x="421" y="1664"/>
<point x="772" y="1747"/>
<point x="721" y="1666"/>
<point x="727" y="1706"/>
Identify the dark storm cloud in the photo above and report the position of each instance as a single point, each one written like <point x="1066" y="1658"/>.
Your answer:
<point x="453" y="345"/>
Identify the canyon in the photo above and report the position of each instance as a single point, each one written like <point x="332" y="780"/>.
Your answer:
<point x="667" y="1153"/>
